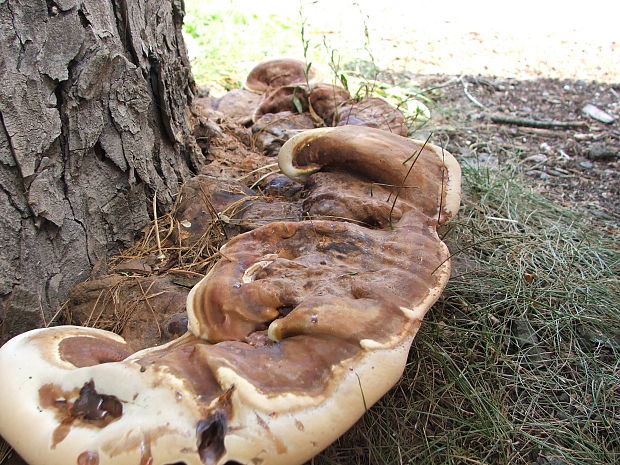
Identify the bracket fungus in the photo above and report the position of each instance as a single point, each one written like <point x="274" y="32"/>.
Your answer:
<point x="282" y="96"/>
<point x="295" y="331"/>
<point x="374" y="113"/>
<point x="271" y="130"/>
<point x="277" y="72"/>
<point x="320" y="99"/>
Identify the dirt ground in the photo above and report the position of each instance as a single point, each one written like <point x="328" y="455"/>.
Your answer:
<point x="542" y="62"/>
<point x="578" y="166"/>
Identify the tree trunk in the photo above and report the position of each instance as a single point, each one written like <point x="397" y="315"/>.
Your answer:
<point x="94" y="121"/>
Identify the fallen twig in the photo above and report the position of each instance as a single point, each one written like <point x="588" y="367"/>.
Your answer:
<point x="263" y="177"/>
<point x="470" y="97"/>
<point x="557" y="132"/>
<point x="440" y="86"/>
<point x="156" y="219"/>
<point x="532" y="123"/>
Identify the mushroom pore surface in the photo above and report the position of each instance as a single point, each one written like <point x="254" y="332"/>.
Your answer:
<point x="296" y="330"/>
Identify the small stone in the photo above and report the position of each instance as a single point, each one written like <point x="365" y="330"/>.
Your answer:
<point x="598" y="114"/>
<point x="586" y="164"/>
<point x="602" y="152"/>
<point x="544" y="176"/>
<point x="538" y="158"/>
<point x="546" y="147"/>
<point x="559" y="172"/>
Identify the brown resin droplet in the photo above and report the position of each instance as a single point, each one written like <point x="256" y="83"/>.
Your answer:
<point x="88" y="458"/>
<point x="210" y="437"/>
<point x="91" y="405"/>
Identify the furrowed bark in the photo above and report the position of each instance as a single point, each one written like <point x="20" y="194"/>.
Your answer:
<point x="94" y="121"/>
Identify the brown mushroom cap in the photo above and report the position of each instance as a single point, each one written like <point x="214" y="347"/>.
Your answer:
<point x="430" y="179"/>
<point x="321" y="99"/>
<point x="293" y="334"/>
<point x="285" y="98"/>
<point x="324" y="100"/>
<point x="374" y="113"/>
<point x="270" y="74"/>
<point x="273" y="129"/>
<point x="238" y="105"/>
<point x="76" y="402"/>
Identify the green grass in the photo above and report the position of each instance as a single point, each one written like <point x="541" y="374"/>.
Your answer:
<point x="228" y="41"/>
<point x="519" y="361"/>
<point x="231" y="38"/>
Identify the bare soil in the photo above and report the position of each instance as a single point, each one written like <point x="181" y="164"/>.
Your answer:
<point x="578" y="166"/>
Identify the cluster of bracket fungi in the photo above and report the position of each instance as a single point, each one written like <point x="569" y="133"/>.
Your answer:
<point x="281" y="98"/>
<point x="303" y="322"/>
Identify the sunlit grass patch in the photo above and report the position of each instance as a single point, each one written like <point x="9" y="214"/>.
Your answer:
<point x="226" y="42"/>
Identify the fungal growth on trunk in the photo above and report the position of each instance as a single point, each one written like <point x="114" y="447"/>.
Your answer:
<point x="320" y="100"/>
<point x="271" y="130"/>
<point x="293" y="334"/>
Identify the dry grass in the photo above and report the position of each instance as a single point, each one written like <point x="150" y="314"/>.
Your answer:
<point x="193" y="258"/>
<point x="5" y="451"/>
<point x="114" y="297"/>
<point x="166" y="253"/>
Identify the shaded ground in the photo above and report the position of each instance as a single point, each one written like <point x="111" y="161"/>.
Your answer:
<point x="579" y="166"/>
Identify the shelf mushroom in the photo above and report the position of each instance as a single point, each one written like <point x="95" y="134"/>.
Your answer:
<point x="374" y="113"/>
<point x="321" y="99"/>
<point x="270" y="74"/>
<point x="293" y="334"/>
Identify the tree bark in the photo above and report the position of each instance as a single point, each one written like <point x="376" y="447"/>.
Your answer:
<point x="94" y="121"/>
